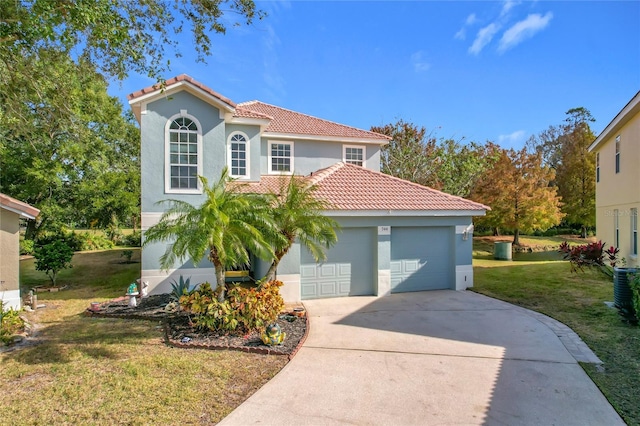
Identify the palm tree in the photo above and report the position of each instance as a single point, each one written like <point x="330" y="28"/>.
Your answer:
<point x="298" y="214"/>
<point x="228" y="225"/>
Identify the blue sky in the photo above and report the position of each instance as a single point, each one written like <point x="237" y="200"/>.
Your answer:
<point x="478" y="70"/>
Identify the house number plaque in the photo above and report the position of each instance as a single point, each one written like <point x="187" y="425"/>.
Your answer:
<point x="384" y="230"/>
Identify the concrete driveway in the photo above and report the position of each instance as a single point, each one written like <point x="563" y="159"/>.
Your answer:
<point x="430" y="358"/>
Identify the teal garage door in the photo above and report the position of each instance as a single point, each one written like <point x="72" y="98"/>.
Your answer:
<point x="348" y="270"/>
<point x="421" y="258"/>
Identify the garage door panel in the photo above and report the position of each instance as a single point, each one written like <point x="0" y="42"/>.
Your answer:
<point x="421" y="259"/>
<point x="347" y="271"/>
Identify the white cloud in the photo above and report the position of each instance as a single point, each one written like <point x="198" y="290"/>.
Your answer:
<point x="471" y="19"/>
<point x="512" y="139"/>
<point x="523" y="30"/>
<point x="419" y="62"/>
<point x="507" y="6"/>
<point x="461" y="35"/>
<point x="483" y="38"/>
<point x="271" y="73"/>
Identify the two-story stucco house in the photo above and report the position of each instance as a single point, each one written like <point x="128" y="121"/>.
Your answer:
<point x="11" y="211"/>
<point x="617" y="150"/>
<point x="395" y="236"/>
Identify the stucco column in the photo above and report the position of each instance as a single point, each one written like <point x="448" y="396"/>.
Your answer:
<point x="384" y="261"/>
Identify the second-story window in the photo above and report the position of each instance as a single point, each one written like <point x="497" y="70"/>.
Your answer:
<point x="280" y="157"/>
<point x="618" y="154"/>
<point x="353" y="155"/>
<point x="183" y="162"/>
<point x="634" y="232"/>
<point x="616" y="228"/>
<point x="238" y="155"/>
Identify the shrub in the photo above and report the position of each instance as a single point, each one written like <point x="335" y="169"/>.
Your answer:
<point x="245" y="309"/>
<point x="52" y="258"/>
<point x="10" y="323"/>
<point x="132" y="240"/>
<point x="93" y="241"/>
<point x="590" y="255"/>
<point x="127" y="254"/>
<point x="180" y="288"/>
<point x="634" y="285"/>
<point x="26" y="246"/>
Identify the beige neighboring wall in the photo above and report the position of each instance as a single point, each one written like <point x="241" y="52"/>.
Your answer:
<point x="9" y="251"/>
<point x="618" y="193"/>
<point x="11" y="210"/>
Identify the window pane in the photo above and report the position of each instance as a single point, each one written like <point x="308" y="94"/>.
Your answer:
<point x="174" y="158"/>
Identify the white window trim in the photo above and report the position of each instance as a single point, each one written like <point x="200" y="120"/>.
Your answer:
<point x="618" y="157"/>
<point x="167" y="156"/>
<point x="269" y="158"/>
<point x="247" y="147"/>
<point x="364" y="153"/>
<point x="634" y="233"/>
<point x="616" y="228"/>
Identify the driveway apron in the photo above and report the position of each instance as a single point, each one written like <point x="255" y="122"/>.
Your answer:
<point x="430" y="358"/>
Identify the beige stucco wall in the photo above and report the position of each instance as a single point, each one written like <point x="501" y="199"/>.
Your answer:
<point x="619" y="191"/>
<point x="9" y="256"/>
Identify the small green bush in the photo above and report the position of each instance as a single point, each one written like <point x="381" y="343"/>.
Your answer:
<point x="10" y="323"/>
<point x="26" y="247"/>
<point x="245" y="309"/>
<point x="132" y="240"/>
<point x="634" y="284"/>
<point x="180" y="288"/>
<point x="52" y="258"/>
<point x="94" y="241"/>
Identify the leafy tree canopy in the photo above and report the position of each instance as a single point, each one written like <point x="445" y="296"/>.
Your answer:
<point x="416" y="155"/>
<point x="120" y="36"/>
<point x="565" y="149"/>
<point x="517" y="190"/>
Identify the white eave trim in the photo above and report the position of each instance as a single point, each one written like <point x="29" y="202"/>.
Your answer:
<point x="404" y="213"/>
<point x="19" y="212"/>
<point x="188" y="87"/>
<point x="632" y="108"/>
<point x="297" y="136"/>
<point x="262" y="122"/>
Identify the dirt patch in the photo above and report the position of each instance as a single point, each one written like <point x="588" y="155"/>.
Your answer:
<point x="179" y="331"/>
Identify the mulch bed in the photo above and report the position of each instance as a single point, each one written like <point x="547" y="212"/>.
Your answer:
<point x="179" y="332"/>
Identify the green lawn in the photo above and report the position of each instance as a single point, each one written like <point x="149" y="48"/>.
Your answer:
<point x="538" y="282"/>
<point x="113" y="371"/>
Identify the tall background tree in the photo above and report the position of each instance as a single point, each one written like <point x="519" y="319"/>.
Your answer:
<point x="565" y="149"/>
<point x="65" y="145"/>
<point x="416" y="155"/>
<point x="518" y="190"/>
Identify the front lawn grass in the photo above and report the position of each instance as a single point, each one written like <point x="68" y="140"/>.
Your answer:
<point x="113" y="371"/>
<point x="577" y="300"/>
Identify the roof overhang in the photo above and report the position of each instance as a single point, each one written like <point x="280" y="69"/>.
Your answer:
<point x="301" y="136"/>
<point x="23" y="209"/>
<point x="627" y="113"/>
<point x="404" y="213"/>
<point x="139" y="103"/>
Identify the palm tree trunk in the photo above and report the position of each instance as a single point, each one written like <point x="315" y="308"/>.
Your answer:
<point x="271" y="273"/>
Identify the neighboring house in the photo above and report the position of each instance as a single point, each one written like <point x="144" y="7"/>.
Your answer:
<point x="617" y="151"/>
<point x="396" y="236"/>
<point x="11" y="211"/>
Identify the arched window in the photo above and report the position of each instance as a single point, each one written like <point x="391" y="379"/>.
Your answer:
<point x="239" y="155"/>
<point x="184" y="161"/>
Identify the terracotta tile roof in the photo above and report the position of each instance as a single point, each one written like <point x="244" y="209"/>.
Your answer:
<point x="268" y="184"/>
<point x="178" y="79"/>
<point x="350" y="187"/>
<point x="19" y="207"/>
<point x="246" y="113"/>
<point x="287" y="121"/>
<point x="281" y="120"/>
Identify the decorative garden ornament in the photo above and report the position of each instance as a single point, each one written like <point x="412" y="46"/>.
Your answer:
<point x="132" y="292"/>
<point x="273" y="335"/>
